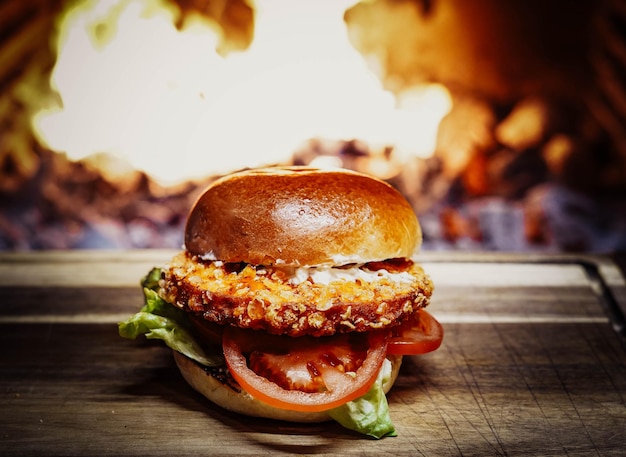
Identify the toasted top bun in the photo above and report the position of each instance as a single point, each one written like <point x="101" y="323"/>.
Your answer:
<point x="301" y="216"/>
<point x="243" y="403"/>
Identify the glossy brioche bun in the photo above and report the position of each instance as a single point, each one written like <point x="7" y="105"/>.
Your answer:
<point x="301" y="216"/>
<point x="243" y="403"/>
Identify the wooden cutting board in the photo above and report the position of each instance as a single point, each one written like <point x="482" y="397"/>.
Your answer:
<point x="533" y="363"/>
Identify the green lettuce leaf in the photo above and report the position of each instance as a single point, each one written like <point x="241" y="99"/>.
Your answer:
<point x="368" y="414"/>
<point x="158" y="319"/>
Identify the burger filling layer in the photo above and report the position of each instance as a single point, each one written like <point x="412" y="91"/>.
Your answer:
<point x="297" y="301"/>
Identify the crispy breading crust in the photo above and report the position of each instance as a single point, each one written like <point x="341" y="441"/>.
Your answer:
<point x="264" y="299"/>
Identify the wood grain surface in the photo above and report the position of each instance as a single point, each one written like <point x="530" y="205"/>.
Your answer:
<point x="533" y="363"/>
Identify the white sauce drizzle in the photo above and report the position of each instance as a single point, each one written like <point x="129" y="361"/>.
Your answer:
<point x="326" y="275"/>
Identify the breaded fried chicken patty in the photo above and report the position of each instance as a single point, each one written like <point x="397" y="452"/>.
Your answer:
<point x="296" y="301"/>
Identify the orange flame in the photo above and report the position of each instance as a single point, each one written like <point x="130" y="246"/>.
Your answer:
<point x="135" y="86"/>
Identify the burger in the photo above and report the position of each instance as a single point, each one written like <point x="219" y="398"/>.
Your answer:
<point x="296" y="296"/>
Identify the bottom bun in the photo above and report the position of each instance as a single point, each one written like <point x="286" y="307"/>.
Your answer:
<point x="243" y="403"/>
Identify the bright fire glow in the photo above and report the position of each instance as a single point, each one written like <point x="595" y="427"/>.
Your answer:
<point x="133" y="85"/>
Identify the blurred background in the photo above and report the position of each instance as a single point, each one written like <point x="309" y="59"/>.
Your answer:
<point x="503" y="123"/>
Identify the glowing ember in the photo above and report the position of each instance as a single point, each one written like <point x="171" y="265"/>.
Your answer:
<point x="133" y="85"/>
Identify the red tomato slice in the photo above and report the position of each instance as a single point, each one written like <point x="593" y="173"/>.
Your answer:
<point x="306" y="373"/>
<point x="418" y="335"/>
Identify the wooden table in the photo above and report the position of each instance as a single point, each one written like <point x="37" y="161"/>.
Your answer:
<point x="533" y="363"/>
